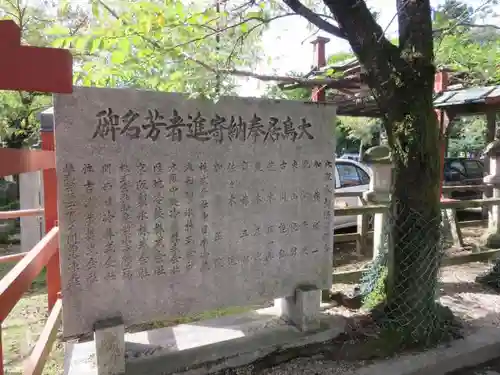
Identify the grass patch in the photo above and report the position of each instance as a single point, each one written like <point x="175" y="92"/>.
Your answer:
<point x="21" y="329"/>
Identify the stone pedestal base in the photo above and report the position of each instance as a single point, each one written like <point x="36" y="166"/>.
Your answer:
<point x="109" y="336"/>
<point x="301" y="310"/>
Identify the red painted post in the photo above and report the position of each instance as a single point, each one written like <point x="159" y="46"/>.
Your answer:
<point x="50" y="206"/>
<point x="1" y="350"/>
<point x="27" y="68"/>
<point x="441" y="81"/>
<point x="318" y="93"/>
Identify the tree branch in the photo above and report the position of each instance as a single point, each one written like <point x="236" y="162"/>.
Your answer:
<point x="377" y="55"/>
<point x="314" y="18"/>
<point x="472" y="25"/>
<point x="110" y="11"/>
<point x="486" y="26"/>
<point x="305" y="82"/>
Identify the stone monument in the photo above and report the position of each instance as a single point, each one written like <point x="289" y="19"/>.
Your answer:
<point x="170" y="206"/>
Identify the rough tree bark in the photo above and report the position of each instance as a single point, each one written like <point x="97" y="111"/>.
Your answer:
<point x="402" y="79"/>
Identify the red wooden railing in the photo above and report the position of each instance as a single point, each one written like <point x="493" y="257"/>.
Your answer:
<point x="49" y="70"/>
<point x="45" y="254"/>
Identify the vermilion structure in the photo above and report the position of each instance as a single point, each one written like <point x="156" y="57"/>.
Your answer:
<point x="26" y="68"/>
<point x="48" y="70"/>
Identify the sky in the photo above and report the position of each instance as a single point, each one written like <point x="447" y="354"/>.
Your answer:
<point x="289" y="48"/>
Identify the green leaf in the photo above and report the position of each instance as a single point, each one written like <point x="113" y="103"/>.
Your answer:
<point x="87" y="67"/>
<point x="124" y="45"/>
<point x="97" y="45"/>
<point x="118" y="57"/>
<point x="95" y="9"/>
<point x="179" y="9"/>
<point x="59" y="43"/>
<point x="89" y="44"/>
<point x="177" y="75"/>
<point x="57" y="30"/>
<point x="80" y="43"/>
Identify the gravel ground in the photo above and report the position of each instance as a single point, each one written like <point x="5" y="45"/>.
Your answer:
<point x="476" y="306"/>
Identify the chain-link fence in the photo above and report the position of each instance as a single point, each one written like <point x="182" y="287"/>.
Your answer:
<point x="401" y="284"/>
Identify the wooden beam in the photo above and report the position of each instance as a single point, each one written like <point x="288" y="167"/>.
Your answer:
<point x="26" y="68"/>
<point x="350" y="237"/>
<point x="471" y="203"/>
<point x="36" y="361"/>
<point x="4" y="215"/>
<point x="12" y="258"/>
<point x="353" y="277"/>
<point x="16" y="161"/>
<point x="371" y="209"/>
<point x="450" y="188"/>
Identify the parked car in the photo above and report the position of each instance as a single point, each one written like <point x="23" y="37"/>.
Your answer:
<point x="463" y="171"/>
<point x="350" y="156"/>
<point x="350" y="176"/>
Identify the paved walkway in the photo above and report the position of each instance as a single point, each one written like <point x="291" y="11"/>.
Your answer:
<point x="489" y="368"/>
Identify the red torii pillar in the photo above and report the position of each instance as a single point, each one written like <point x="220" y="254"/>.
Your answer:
<point x="49" y="70"/>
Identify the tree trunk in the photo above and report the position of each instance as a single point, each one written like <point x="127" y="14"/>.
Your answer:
<point x="416" y="216"/>
<point x="401" y="79"/>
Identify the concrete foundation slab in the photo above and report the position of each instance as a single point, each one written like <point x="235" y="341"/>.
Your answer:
<point x="207" y="346"/>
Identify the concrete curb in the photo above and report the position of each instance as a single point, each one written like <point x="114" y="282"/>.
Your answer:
<point x="474" y="349"/>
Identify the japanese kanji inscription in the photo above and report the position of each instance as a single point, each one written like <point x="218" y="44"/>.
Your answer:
<point x="163" y="199"/>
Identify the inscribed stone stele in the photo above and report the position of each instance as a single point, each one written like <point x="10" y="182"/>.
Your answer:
<point x="171" y="206"/>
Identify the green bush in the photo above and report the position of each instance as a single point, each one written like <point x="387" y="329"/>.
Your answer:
<point x="10" y="206"/>
<point x="12" y="225"/>
<point x="378" y="294"/>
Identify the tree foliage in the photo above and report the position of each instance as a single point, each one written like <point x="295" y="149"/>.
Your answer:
<point x="468" y="136"/>
<point x="166" y="46"/>
<point x="464" y="45"/>
<point x="362" y="129"/>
